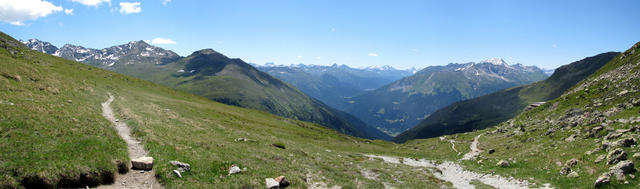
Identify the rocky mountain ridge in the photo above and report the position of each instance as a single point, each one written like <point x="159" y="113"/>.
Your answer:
<point x="130" y="53"/>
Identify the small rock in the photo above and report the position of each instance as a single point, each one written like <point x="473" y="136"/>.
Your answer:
<point x="571" y="162"/>
<point x="282" y="181"/>
<point x="573" y="174"/>
<point x="491" y="151"/>
<point x="271" y="183"/>
<point x="142" y="163"/>
<point x="503" y="163"/>
<point x="117" y="120"/>
<point x="241" y="140"/>
<point x="182" y="167"/>
<point x="616" y="156"/>
<point x="234" y="169"/>
<point x="602" y="180"/>
<point x="565" y="170"/>
<point x="624" y="92"/>
<point x="69" y="101"/>
<point x="177" y="173"/>
<point x="599" y="158"/>
<point x="636" y="156"/>
<point x="570" y="138"/>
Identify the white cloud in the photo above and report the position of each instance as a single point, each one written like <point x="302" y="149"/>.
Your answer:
<point x="68" y="11"/>
<point x="318" y="57"/>
<point x="372" y="54"/>
<point x="299" y="56"/>
<point x="17" y="11"/>
<point x="162" y="41"/>
<point x="415" y="50"/>
<point x="94" y="3"/>
<point x="554" y="46"/>
<point x="164" y="2"/>
<point x="128" y="8"/>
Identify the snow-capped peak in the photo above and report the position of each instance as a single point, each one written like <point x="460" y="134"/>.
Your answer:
<point x="496" y="61"/>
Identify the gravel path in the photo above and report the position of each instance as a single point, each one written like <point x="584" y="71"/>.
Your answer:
<point x="133" y="178"/>
<point x="474" y="149"/>
<point x="454" y="173"/>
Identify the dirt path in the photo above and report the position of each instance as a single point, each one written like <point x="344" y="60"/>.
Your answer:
<point x="453" y="145"/>
<point x="460" y="178"/>
<point x="134" y="178"/>
<point x="474" y="149"/>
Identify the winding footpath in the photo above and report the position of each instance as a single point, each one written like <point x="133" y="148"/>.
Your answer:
<point x="458" y="176"/>
<point x="474" y="149"/>
<point x="133" y="179"/>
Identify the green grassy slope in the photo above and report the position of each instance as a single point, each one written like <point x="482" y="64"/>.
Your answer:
<point x="596" y="111"/>
<point x="51" y="127"/>
<point x="489" y="110"/>
<point x="48" y="141"/>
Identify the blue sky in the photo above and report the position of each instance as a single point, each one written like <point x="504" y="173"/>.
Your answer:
<point x="353" y="32"/>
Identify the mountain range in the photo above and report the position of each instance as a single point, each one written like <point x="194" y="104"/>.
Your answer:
<point x="214" y="76"/>
<point x="336" y="83"/>
<point x="488" y="110"/>
<point x="401" y="105"/>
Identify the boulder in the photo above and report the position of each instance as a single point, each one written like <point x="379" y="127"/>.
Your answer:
<point x="282" y="181"/>
<point x="625" y="167"/>
<point x="182" y="167"/>
<point x="234" y="169"/>
<point x="616" y="156"/>
<point x="626" y="142"/>
<point x="602" y="180"/>
<point x="503" y="163"/>
<point x="573" y="174"/>
<point x="142" y="163"/>
<point x="271" y="183"/>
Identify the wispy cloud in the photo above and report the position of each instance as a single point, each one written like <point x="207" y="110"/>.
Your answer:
<point x="129" y="8"/>
<point x="554" y="46"/>
<point x="299" y="56"/>
<point x="94" y="3"/>
<point x="16" y="12"/>
<point x="68" y="11"/>
<point x="165" y="2"/>
<point x="372" y="54"/>
<point x="162" y="41"/>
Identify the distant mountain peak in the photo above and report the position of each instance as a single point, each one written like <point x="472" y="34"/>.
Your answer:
<point x="207" y="51"/>
<point x="40" y="46"/>
<point x="496" y="61"/>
